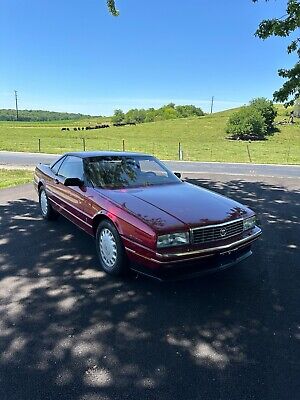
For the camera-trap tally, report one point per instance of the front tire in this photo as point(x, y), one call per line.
point(47, 210)
point(110, 249)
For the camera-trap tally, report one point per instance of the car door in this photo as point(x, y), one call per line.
point(51, 185)
point(72, 198)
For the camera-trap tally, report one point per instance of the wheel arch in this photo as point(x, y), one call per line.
point(40, 185)
point(104, 216)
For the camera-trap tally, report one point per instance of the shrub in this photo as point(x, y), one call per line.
point(267, 110)
point(247, 123)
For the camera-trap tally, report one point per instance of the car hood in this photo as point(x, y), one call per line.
point(178, 205)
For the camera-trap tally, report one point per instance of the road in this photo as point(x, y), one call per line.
point(288, 171)
point(69, 332)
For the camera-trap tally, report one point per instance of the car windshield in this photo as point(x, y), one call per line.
point(125, 172)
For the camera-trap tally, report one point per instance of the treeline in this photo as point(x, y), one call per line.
point(38, 115)
point(169, 111)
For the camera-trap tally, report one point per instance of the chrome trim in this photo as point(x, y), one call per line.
point(166, 262)
point(211, 249)
point(140, 255)
point(69, 212)
point(63, 201)
point(218, 225)
point(221, 238)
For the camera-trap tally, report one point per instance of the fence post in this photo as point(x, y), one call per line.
point(288, 155)
point(83, 142)
point(180, 152)
point(248, 150)
point(123, 142)
point(39, 145)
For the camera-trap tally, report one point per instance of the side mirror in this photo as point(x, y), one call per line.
point(73, 182)
point(178, 174)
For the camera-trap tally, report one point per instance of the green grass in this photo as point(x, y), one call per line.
point(11, 177)
point(202, 139)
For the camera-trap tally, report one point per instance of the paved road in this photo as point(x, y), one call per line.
point(31, 159)
point(69, 332)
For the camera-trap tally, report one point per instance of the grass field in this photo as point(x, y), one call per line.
point(202, 139)
point(10, 177)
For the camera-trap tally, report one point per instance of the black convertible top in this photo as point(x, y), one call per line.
point(90, 154)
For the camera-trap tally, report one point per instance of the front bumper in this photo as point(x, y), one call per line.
point(189, 270)
point(194, 262)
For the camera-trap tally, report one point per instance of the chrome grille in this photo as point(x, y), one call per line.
point(213, 233)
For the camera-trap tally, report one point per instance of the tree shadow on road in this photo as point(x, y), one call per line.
point(68, 331)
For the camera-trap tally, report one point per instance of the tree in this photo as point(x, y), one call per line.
point(246, 123)
point(118, 117)
point(284, 27)
point(266, 108)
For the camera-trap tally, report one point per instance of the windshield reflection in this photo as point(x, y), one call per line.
point(126, 172)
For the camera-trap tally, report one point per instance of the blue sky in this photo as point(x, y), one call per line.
point(72, 55)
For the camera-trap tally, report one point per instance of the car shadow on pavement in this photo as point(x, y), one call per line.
point(68, 331)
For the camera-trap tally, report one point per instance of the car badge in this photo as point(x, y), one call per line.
point(223, 232)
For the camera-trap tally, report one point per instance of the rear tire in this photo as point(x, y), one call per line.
point(110, 249)
point(47, 211)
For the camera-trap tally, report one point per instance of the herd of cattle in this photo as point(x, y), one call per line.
point(102, 126)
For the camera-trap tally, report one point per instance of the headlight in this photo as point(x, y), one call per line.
point(173, 239)
point(249, 223)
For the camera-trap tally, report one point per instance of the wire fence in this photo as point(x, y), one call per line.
point(232, 151)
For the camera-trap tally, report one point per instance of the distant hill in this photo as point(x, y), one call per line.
point(39, 115)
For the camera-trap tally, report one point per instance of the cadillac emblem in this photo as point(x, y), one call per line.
point(223, 232)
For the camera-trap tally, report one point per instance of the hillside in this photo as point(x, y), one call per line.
point(202, 139)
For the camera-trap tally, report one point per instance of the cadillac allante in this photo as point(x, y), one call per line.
point(143, 216)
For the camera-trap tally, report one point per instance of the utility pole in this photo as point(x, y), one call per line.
point(212, 104)
point(16, 97)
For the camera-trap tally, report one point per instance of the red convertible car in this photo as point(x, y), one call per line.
point(143, 216)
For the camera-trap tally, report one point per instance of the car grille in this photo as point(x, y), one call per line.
point(217, 232)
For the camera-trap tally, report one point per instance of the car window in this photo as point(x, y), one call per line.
point(57, 165)
point(149, 165)
point(72, 167)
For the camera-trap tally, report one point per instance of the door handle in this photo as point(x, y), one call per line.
point(56, 181)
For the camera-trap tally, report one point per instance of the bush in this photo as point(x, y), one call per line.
point(267, 110)
point(247, 123)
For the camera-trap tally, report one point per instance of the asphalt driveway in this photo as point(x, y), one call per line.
point(67, 331)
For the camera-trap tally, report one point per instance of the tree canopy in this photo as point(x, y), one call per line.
point(112, 7)
point(169, 111)
point(284, 27)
